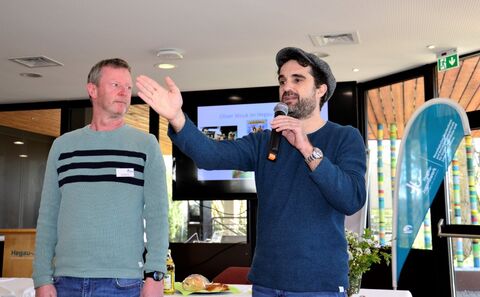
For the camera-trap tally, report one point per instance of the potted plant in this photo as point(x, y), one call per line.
point(363, 251)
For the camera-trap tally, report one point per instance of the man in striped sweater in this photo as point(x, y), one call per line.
point(101, 183)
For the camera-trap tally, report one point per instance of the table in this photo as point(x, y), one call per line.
point(16, 287)
point(23, 287)
point(382, 293)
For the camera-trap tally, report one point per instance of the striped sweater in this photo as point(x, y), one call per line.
point(99, 186)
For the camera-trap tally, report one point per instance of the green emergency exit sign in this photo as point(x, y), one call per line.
point(447, 61)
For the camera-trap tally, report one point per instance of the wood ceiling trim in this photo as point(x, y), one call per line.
point(376, 103)
point(468, 97)
point(387, 106)
point(440, 79)
point(462, 82)
point(448, 84)
point(41, 121)
point(397, 92)
point(476, 99)
point(372, 120)
point(375, 111)
point(409, 98)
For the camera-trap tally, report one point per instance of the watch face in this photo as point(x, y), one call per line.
point(156, 275)
point(317, 153)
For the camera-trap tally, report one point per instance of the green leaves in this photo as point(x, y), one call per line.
point(363, 251)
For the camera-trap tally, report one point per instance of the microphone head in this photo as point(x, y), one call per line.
point(281, 108)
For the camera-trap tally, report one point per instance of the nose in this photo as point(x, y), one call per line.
point(286, 86)
point(124, 90)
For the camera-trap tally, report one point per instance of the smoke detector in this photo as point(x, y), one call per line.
point(35, 62)
point(170, 54)
point(334, 39)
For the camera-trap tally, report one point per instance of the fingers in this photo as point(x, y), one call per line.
point(144, 97)
point(172, 87)
point(282, 120)
point(145, 80)
point(146, 85)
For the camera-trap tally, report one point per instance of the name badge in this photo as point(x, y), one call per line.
point(125, 172)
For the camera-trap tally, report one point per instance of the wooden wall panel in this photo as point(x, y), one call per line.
point(42, 121)
point(18, 252)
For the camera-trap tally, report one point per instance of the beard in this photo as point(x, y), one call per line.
point(304, 107)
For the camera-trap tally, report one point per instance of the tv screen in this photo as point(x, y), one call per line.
point(221, 122)
point(230, 114)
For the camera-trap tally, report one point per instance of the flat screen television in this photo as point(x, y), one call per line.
point(223, 114)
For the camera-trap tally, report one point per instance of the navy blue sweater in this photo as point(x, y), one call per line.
point(301, 242)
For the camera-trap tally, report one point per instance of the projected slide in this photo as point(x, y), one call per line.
point(224, 122)
point(228, 122)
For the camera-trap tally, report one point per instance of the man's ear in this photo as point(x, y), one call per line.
point(92, 90)
point(321, 90)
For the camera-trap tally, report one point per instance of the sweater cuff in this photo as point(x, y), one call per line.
point(42, 280)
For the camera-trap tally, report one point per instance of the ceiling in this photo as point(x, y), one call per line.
point(225, 44)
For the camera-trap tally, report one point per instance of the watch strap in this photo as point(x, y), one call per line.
point(317, 154)
point(155, 275)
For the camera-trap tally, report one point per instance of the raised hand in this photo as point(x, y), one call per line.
point(166, 102)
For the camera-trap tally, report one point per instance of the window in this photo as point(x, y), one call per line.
point(25, 140)
point(463, 86)
point(207, 221)
point(389, 109)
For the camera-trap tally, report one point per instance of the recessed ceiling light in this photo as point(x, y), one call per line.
point(18, 142)
point(431, 46)
point(165, 66)
point(235, 98)
point(23, 156)
point(30, 74)
point(355, 70)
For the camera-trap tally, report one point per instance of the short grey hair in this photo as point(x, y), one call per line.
point(95, 72)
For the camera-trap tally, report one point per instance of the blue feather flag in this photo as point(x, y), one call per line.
point(430, 140)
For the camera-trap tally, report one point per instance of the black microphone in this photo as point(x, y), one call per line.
point(280, 109)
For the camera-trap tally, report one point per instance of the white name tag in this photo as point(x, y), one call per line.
point(125, 172)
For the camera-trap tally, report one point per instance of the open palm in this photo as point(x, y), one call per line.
point(166, 102)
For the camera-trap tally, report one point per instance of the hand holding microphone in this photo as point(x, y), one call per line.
point(280, 109)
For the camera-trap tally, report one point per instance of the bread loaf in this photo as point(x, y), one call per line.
point(195, 282)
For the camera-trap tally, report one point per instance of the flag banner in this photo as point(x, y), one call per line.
point(430, 140)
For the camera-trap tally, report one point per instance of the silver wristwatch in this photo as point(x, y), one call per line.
point(317, 154)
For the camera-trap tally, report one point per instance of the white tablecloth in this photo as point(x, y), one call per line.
point(23, 287)
point(16, 287)
point(382, 293)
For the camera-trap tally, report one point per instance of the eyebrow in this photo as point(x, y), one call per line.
point(293, 75)
point(117, 82)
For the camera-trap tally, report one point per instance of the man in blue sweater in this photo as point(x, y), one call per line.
point(101, 182)
point(303, 197)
